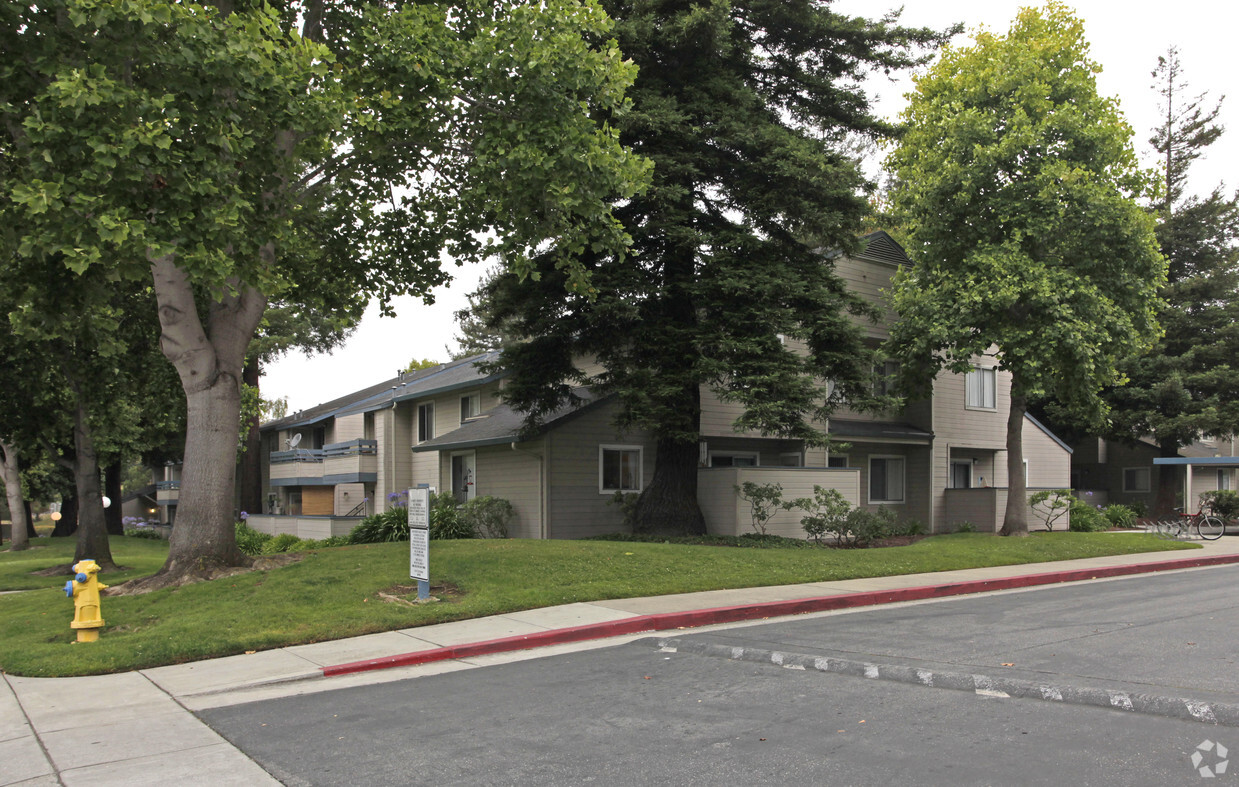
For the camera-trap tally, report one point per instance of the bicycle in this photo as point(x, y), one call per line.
point(1207, 526)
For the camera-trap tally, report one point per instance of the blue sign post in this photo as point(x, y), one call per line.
point(419, 540)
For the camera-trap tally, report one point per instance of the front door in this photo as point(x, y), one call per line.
point(463, 486)
point(961, 475)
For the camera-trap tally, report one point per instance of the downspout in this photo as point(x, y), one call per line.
point(541, 488)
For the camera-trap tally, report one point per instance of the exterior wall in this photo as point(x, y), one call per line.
point(727, 514)
point(348, 427)
point(315, 527)
point(346, 497)
point(718, 417)
point(385, 455)
point(575, 507)
point(868, 278)
point(516, 476)
point(318, 501)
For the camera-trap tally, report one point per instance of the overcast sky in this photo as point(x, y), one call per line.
point(1126, 39)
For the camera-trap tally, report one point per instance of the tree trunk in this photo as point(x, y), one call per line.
point(250, 470)
point(668, 506)
point(1015, 521)
point(67, 525)
point(92, 534)
point(30, 531)
point(1167, 497)
point(113, 515)
point(13, 493)
point(209, 362)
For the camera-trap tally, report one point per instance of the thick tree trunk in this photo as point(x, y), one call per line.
point(250, 470)
point(13, 493)
point(30, 531)
point(1015, 520)
point(209, 362)
point(113, 515)
point(67, 525)
point(92, 534)
point(668, 506)
point(1167, 497)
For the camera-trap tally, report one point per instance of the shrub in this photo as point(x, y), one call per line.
point(445, 519)
point(1224, 503)
point(825, 512)
point(1138, 508)
point(763, 500)
point(487, 516)
point(1119, 515)
point(284, 542)
point(911, 527)
point(863, 527)
point(965, 527)
point(1086, 519)
point(390, 525)
point(1050, 505)
point(144, 533)
point(627, 503)
point(250, 541)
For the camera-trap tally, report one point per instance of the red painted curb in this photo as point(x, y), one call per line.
point(703, 617)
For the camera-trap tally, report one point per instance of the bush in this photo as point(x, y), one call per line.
point(445, 519)
point(284, 542)
point(1086, 519)
point(1050, 505)
point(825, 513)
point(390, 525)
point(627, 502)
point(1119, 515)
point(144, 533)
point(250, 541)
point(863, 527)
point(1138, 508)
point(1223, 503)
point(763, 500)
point(487, 516)
point(911, 527)
point(965, 527)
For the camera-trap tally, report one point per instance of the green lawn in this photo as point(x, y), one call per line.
point(333, 593)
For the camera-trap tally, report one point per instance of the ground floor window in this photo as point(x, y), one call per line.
point(1136, 479)
point(791, 460)
point(886, 479)
point(619, 468)
point(734, 459)
point(839, 461)
point(1223, 480)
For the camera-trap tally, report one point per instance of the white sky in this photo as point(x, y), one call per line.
point(1126, 39)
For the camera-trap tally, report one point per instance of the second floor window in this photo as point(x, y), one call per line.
point(884, 376)
point(470, 406)
point(981, 385)
point(425, 422)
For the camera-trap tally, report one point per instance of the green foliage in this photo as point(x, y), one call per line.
point(389, 525)
point(825, 513)
point(249, 540)
point(1087, 519)
point(911, 527)
point(487, 516)
point(1119, 515)
point(764, 500)
point(154, 535)
point(627, 502)
point(284, 542)
point(1015, 189)
point(417, 365)
point(862, 527)
point(1223, 502)
point(446, 521)
point(965, 527)
point(1050, 505)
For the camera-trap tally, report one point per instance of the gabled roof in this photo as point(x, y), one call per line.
point(881, 247)
point(1048, 433)
point(502, 425)
point(411, 385)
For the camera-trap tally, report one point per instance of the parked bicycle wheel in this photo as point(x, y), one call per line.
point(1210, 528)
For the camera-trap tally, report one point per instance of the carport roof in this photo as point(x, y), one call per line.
point(879, 430)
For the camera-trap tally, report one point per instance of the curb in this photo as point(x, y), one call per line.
point(664, 621)
point(1217, 713)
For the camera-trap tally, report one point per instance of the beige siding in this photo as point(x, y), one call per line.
point(1049, 464)
point(575, 506)
point(726, 513)
point(516, 476)
point(957, 424)
point(425, 469)
point(719, 417)
point(347, 497)
point(868, 279)
point(349, 427)
point(917, 478)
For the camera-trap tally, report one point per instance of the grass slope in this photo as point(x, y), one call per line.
point(333, 593)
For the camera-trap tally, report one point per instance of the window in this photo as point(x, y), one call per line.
point(1223, 480)
point(470, 406)
point(961, 475)
point(791, 460)
point(981, 387)
point(734, 459)
point(840, 461)
point(619, 468)
point(425, 422)
point(463, 477)
point(1136, 479)
point(884, 375)
point(886, 479)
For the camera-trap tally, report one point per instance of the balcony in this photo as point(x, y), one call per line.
point(167, 492)
point(297, 467)
point(350, 462)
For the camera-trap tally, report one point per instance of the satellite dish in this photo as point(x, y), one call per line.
point(295, 440)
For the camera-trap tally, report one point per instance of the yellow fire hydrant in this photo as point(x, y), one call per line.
point(84, 590)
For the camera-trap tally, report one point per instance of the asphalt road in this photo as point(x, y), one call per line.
point(640, 714)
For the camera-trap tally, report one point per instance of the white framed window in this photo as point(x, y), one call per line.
point(734, 459)
point(470, 406)
point(961, 474)
point(1136, 479)
point(982, 386)
point(884, 375)
point(886, 479)
point(838, 461)
point(619, 468)
point(791, 459)
point(1223, 480)
point(425, 422)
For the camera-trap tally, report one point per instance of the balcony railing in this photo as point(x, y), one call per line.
point(351, 448)
point(297, 455)
point(167, 485)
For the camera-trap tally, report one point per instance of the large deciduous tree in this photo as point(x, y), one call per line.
point(240, 152)
point(746, 108)
point(1185, 386)
point(1015, 189)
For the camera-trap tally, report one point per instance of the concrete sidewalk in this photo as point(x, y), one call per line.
point(138, 728)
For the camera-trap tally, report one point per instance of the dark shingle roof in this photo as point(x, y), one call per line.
point(502, 424)
point(883, 248)
point(878, 429)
